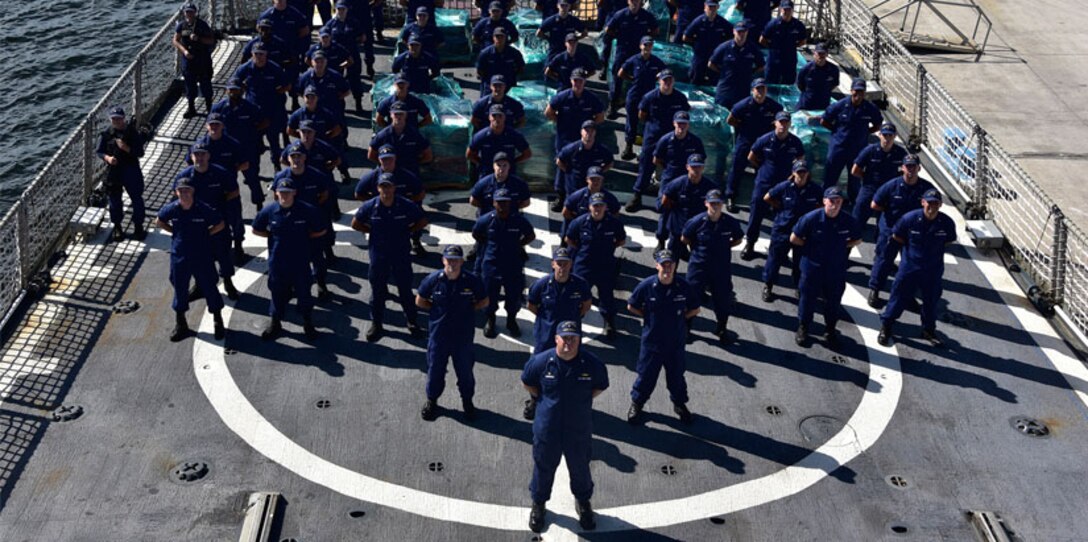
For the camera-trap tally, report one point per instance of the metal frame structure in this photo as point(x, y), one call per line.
point(911, 37)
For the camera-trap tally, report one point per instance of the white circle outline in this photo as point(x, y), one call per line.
point(872, 416)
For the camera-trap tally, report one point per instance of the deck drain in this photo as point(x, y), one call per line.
point(897, 481)
point(839, 360)
point(773, 410)
point(717, 520)
point(126, 307)
point(357, 514)
point(1031, 427)
point(67, 413)
point(899, 529)
point(668, 470)
point(190, 471)
point(322, 404)
point(536, 538)
point(435, 466)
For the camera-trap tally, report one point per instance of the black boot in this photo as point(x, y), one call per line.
point(489, 327)
point(370, 70)
point(417, 247)
point(832, 338)
point(536, 517)
point(195, 293)
point(138, 232)
point(359, 105)
point(610, 327)
point(471, 412)
point(414, 330)
point(529, 412)
point(228, 286)
point(239, 254)
point(730, 206)
point(885, 337)
point(323, 294)
point(628, 152)
point(749, 251)
point(635, 204)
point(801, 337)
point(557, 205)
point(220, 329)
point(429, 412)
point(768, 292)
point(308, 327)
point(207, 106)
point(634, 414)
point(374, 332)
point(512, 327)
point(118, 233)
point(273, 330)
point(874, 298)
point(181, 327)
point(190, 112)
point(586, 518)
point(683, 413)
point(931, 336)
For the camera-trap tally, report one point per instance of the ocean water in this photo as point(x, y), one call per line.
point(59, 58)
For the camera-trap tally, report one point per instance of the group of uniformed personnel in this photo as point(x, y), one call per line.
point(695, 222)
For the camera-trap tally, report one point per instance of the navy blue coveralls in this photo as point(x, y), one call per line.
point(578, 203)
point(755, 119)
point(451, 329)
point(710, 266)
point(627, 29)
point(189, 255)
point(414, 108)
point(661, 108)
point(571, 111)
point(126, 174)
point(556, 302)
point(389, 248)
point(782, 53)
point(346, 33)
point(849, 134)
point(879, 167)
point(823, 263)
point(514, 109)
point(556, 27)
point(578, 159)
point(508, 63)
point(502, 263)
point(430, 37)
point(674, 152)
point(595, 255)
point(310, 185)
point(793, 203)
point(644, 71)
point(288, 253)
point(484, 191)
point(688, 200)
point(419, 70)
point(921, 266)
point(664, 331)
point(408, 145)
point(240, 121)
point(897, 198)
point(227, 153)
point(776, 160)
point(564, 65)
point(707, 35)
point(686, 12)
point(485, 28)
point(211, 187)
point(260, 84)
point(737, 66)
point(197, 70)
point(563, 426)
point(488, 143)
point(329, 89)
point(815, 84)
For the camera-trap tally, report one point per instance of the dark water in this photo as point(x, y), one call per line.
point(59, 58)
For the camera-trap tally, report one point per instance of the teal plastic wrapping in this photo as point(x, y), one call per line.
point(806, 126)
point(449, 136)
point(708, 121)
point(677, 58)
point(533, 49)
point(660, 11)
point(786, 95)
point(455, 29)
point(539, 171)
point(443, 86)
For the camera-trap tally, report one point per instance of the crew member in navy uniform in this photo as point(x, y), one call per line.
point(194, 40)
point(418, 65)
point(217, 187)
point(499, 58)
point(291, 226)
point(757, 13)
point(389, 220)
point(191, 224)
point(733, 65)
point(673, 149)
point(704, 34)
point(682, 199)
point(790, 200)
point(773, 155)
point(782, 37)
point(816, 80)
point(577, 202)
point(486, 26)
point(594, 238)
point(244, 121)
point(407, 185)
point(265, 85)
point(564, 380)
point(641, 70)
point(430, 37)
point(850, 120)
point(710, 237)
point(419, 115)
point(627, 26)
point(665, 302)
point(497, 138)
point(686, 13)
point(121, 146)
point(451, 295)
point(314, 187)
point(411, 146)
point(656, 110)
point(483, 192)
point(923, 233)
point(750, 118)
point(559, 66)
point(893, 199)
point(559, 28)
point(225, 151)
point(345, 31)
point(875, 165)
point(825, 236)
point(570, 109)
point(502, 235)
point(515, 111)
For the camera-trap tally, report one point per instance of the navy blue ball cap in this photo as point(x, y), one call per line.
point(595, 172)
point(264, 23)
point(911, 160)
point(500, 31)
point(682, 117)
point(712, 3)
point(563, 2)
point(307, 124)
point(386, 178)
point(498, 79)
point(696, 159)
point(401, 77)
point(645, 40)
point(343, 4)
point(888, 129)
point(800, 165)
point(714, 196)
point(561, 254)
point(496, 109)
point(932, 195)
point(501, 194)
point(259, 48)
point(285, 185)
point(833, 192)
point(759, 82)
point(295, 148)
point(189, 6)
point(571, 36)
point(663, 256)
point(387, 151)
point(742, 25)
point(414, 39)
point(500, 157)
point(324, 32)
point(184, 183)
point(310, 91)
point(494, 6)
point(783, 115)
point(578, 73)
point(198, 148)
point(588, 124)
point(319, 54)
point(117, 112)
point(786, 4)
point(234, 84)
point(568, 328)
point(214, 118)
point(398, 107)
point(597, 198)
point(858, 84)
point(664, 74)
point(821, 47)
point(422, 11)
point(453, 252)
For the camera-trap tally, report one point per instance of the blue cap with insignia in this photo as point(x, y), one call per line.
point(453, 252)
point(833, 192)
point(568, 328)
point(932, 195)
point(501, 194)
point(664, 256)
point(561, 254)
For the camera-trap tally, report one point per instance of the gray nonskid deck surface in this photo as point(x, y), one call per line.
point(106, 474)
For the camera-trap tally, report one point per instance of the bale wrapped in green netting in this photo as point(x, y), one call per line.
point(449, 136)
point(708, 121)
point(457, 34)
point(443, 86)
point(525, 19)
point(806, 126)
point(539, 171)
point(676, 57)
point(533, 49)
point(660, 10)
point(786, 95)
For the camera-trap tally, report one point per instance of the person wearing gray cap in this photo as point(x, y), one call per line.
point(850, 120)
point(565, 379)
point(594, 238)
point(924, 235)
point(816, 80)
point(790, 200)
point(560, 66)
point(825, 236)
point(710, 237)
point(121, 146)
point(876, 163)
point(773, 155)
point(389, 221)
point(673, 149)
point(666, 303)
point(570, 109)
point(191, 224)
point(502, 235)
point(499, 58)
point(640, 71)
point(893, 199)
point(750, 118)
point(419, 115)
point(484, 29)
point(704, 34)
point(560, 27)
point(514, 110)
point(733, 64)
point(194, 41)
point(782, 37)
point(451, 296)
point(430, 37)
